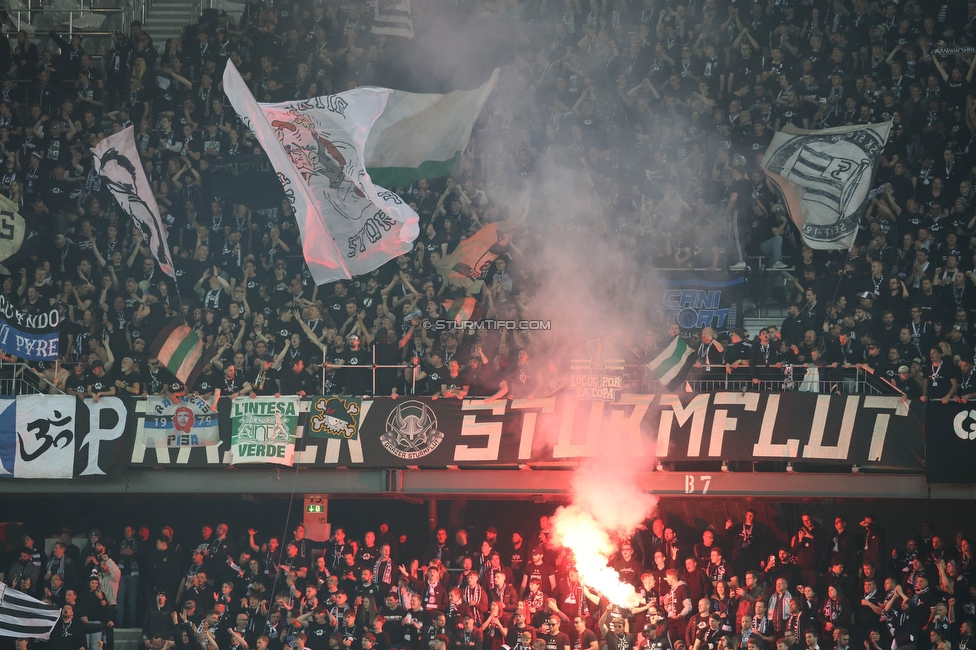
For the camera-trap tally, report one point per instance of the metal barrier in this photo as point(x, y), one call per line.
point(856, 380)
point(18, 378)
point(373, 367)
point(21, 17)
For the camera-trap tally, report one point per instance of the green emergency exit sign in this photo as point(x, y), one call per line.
point(314, 507)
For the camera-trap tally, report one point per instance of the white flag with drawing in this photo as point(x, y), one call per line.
point(117, 161)
point(349, 225)
point(824, 178)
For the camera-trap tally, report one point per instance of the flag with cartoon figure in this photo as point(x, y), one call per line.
point(335, 416)
point(349, 225)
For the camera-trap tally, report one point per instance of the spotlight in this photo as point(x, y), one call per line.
point(789, 467)
point(725, 466)
point(660, 466)
point(855, 469)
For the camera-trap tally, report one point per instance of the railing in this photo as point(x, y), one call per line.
point(854, 379)
point(18, 378)
point(373, 367)
point(74, 16)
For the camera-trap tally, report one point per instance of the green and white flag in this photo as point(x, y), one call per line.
point(422, 135)
point(672, 364)
point(263, 430)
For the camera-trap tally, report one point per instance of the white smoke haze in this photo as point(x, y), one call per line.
point(586, 286)
point(607, 508)
point(581, 279)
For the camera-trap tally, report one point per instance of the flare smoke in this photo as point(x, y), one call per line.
point(607, 508)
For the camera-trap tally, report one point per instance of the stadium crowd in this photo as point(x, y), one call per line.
point(831, 586)
point(663, 108)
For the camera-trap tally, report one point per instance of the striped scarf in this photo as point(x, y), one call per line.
point(581, 608)
point(56, 565)
point(383, 571)
point(831, 609)
point(469, 594)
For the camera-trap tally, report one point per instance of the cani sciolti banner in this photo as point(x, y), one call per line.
point(694, 300)
point(869, 431)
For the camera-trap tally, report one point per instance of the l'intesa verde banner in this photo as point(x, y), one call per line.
point(263, 430)
point(869, 431)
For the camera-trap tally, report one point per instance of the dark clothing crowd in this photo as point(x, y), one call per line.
point(657, 112)
point(742, 586)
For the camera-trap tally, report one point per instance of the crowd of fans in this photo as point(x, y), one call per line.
point(661, 109)
point(832, 586)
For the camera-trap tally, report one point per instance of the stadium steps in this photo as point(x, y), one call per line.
point(128, 638)
point(166, 19)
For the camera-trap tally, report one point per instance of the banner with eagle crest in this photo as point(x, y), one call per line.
point(349, 225)
point(117, 161)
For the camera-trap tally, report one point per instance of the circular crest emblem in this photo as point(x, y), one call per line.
point(411, 431)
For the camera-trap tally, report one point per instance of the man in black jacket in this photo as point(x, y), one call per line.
point(158, 619)
point(164, 570)
point(795, 325)
point(69, 633)
point(840, 543)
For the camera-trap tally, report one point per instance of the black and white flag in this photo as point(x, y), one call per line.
point(24, 617)
point(117, 161)
point(824, 178)
point(393, 18)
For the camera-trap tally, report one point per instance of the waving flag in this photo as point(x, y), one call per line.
point(117, 161)
point(182, 351)
point(349, 225)
point(13, 231)
point(24, 617)
point(393, 18)
point(672, 364)
point(423, 135)
point(824, 178)
point(468, 265)
point(463, 309)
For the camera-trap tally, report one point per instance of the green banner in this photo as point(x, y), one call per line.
point(263, 430)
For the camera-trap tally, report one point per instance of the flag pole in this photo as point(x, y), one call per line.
point(588, 179)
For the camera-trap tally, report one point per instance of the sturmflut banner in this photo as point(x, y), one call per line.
point(865, 430)
point(824, 178)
